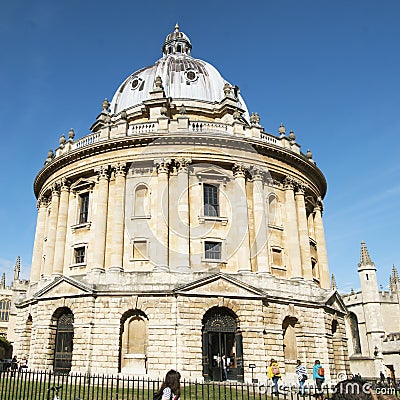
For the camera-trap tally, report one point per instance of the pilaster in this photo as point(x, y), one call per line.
point(61, 228)
point(100, 219)
point(38, 247)
point(292, 230)
point(162, 261)
point(304, 239)
point(241, 219)
point(260, 223)
point(321, 248)
point(118, 203)
point(52, 230)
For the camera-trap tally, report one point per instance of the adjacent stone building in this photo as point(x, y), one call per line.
point(373, 322)
point(178, 231)
point(9, 295)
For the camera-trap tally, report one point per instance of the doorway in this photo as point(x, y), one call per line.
point(222, 346)
point(63, 343)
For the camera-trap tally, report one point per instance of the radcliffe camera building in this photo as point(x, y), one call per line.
point(176, 232)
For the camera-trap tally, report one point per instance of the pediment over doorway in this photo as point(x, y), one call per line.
point(63, 287)
point(221, 285)
point(335, 301)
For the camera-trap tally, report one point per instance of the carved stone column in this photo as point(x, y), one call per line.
point(51, 231)
point(38, 246)
point(118, 204)
point(241, 220)
point(162, 261)
point(321, 248)
point(100, 220)
point(61, 229)
point(292, 230)
point(260, 223)
point(179, 221)
point(304, 239)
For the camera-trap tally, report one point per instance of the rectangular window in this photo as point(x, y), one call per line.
point(140, 250)
point(80, 255)
point(4, 310)
point(277, 257)
point(211, 206)
point(83, 207)
point(212, 250)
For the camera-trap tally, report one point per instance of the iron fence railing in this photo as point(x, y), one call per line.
point(40, 385)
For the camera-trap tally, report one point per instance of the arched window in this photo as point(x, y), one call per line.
point(355, 334)
point(133, 342)
point(179, 48)
point(141, 201)
point(290, 341)
point(5, 306)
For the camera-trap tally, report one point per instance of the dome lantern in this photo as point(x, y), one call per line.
point(176, 42)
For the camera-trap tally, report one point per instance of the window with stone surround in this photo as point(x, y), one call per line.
point(83, 208)
point(212, 250)
point(141, 202)
point(277, 256)
point(5, 306)
point(140, 249)
point(80, 255)
point(210, 200)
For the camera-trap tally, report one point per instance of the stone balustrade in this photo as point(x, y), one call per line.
point(138, 129)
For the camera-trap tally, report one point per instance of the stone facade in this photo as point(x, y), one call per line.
point(9, 295)
point(372, 324)
point(177, 231)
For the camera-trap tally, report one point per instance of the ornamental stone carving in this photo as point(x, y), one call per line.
point(162, 165)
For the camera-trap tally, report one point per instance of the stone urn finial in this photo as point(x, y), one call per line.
point(158, 82)
point(105, 105)
point(254, 119)
point(236, 115)
point(71, 134)
point(182, 110)
point(282, 130)
point(62, 140)
point(227, 89)
point(163, 110)
point(309, 154)
point(292, 136)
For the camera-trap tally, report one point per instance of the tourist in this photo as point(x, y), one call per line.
point(302, 376)
point(274, 374)
point(224, 368)
point(14, 365)
point(23, 364)
point(171, 387)
point(319, 377)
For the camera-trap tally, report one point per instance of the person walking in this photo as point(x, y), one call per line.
point(319, 377)
point(171, 387)
point(302, 376)
point(14, 365)
point(274, 374)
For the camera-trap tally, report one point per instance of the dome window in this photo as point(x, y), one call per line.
point(191, 75)
point(136, 81)
point(179, 48)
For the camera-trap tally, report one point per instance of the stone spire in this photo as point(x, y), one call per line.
point(394, 281)
point(3, 281)
point(395, 273)
point(333, 283)
point(365, 259)
point(17, 269)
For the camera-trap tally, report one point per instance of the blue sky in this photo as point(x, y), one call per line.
point(329, 70)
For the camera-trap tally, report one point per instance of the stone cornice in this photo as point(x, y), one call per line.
point(296, 161)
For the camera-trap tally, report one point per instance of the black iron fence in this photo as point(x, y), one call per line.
point(38, 385)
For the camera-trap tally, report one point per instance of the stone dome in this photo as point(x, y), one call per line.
point(183, 78)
